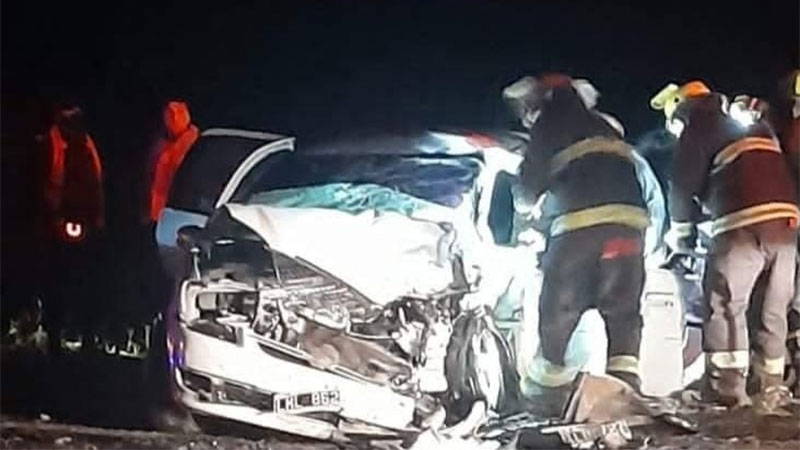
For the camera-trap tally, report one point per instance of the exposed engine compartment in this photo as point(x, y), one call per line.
point(417, 354)
point(293, 303)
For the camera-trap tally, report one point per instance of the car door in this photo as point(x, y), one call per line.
point(208, 176)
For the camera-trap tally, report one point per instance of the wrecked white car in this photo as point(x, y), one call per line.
point(341, 290)
point(353, 288)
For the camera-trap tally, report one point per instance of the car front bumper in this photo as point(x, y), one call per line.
point(241, 381)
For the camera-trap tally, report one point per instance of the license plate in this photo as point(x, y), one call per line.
point(320, 399)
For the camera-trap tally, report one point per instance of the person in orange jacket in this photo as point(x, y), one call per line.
point(73, 220)
point(73, 185)
point(180, 136)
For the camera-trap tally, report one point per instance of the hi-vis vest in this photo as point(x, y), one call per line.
point(56, 173)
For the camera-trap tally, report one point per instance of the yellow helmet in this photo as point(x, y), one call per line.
point(672, 95)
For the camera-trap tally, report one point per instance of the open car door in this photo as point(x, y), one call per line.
point(209, 174)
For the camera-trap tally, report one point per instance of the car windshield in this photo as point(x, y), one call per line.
point(359, 182)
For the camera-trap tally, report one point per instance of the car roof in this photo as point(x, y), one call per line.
point(261, 136)
point(422, 143)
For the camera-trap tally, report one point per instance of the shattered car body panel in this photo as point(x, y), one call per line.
point(238, 373)
point(359, 248)
point(342, 290)
point(323, 294)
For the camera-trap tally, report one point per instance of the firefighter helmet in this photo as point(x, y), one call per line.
point(668, 98)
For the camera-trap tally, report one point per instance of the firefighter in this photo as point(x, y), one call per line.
point(594, 251)
point(181, 134)
point(735, 171)
point(785, 118)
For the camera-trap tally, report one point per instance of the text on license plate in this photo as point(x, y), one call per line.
point(306, 400)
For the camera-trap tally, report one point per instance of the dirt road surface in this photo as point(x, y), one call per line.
point(97, 402)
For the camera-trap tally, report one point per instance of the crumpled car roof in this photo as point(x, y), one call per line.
point(418, 143)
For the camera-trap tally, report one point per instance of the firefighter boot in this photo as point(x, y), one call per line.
point(772, 395)
point(793, 372)
point(795, 381)
point(726, 387)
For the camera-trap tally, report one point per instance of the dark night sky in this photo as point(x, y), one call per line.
point(319, 68)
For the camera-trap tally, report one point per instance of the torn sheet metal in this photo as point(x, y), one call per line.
point(384, 256)
point(587, 435)
point(461, 435)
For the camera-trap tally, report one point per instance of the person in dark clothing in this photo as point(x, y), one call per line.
point(595, 242)
point(784, 115)
point(737, 172)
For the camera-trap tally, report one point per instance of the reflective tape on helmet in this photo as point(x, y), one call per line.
point(729, 154)
point(623, 363)
point(585, 147)
point(755, 214)
point(615, 213)
point(735, 359)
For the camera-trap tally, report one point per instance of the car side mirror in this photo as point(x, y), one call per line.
point(189, 237)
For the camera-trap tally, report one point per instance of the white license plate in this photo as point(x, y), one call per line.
point(319, 399)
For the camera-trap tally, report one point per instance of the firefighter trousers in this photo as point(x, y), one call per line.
point(597, 267)
point(793, 340)
point(750, 268)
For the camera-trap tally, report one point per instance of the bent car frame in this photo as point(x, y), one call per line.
point(351, 289)
point(324, 288)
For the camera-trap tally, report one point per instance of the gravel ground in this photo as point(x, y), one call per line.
point(719, 430)
point(105, 396)
point(39, 435)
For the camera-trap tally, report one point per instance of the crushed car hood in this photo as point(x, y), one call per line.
point(384, 255)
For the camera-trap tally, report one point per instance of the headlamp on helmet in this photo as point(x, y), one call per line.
point(746, 110)
point(671, 96)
